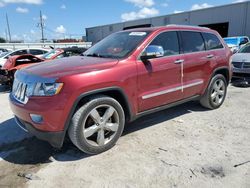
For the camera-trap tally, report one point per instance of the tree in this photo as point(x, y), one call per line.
point(2, 40)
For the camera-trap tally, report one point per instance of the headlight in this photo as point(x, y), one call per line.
point(44, 89)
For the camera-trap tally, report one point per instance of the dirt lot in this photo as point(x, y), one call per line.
point(185, 146)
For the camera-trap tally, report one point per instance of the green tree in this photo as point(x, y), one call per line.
point(2, 40)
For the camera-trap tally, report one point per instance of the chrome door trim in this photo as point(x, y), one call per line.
point(171, 90)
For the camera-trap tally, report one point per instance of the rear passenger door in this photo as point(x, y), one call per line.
point(196, 66)
point(215, 50)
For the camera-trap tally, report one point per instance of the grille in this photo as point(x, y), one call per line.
point(246, 65)
point(237, 64)
point(19, 91)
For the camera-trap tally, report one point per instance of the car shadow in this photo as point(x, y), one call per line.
point(19, 147)
point(161, 116)
point(241, 84)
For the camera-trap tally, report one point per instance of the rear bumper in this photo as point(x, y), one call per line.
point(54, 138)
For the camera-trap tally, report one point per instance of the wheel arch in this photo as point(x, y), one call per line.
point(224, 71)
point(114, 92)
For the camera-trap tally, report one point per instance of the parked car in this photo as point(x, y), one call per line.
point(63, 52)
point(241, 65)
point(3, 50)
point(125, 76)
point(36, 52)
point(17, 62)
point(235, 43)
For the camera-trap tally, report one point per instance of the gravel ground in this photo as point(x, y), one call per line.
point(185, 146)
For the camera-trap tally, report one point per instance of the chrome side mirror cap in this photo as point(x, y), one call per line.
point(152, 51)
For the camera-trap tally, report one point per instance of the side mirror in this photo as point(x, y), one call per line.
point(152, 51)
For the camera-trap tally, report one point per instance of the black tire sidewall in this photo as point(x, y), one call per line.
point(215, 79)
point(81, 141)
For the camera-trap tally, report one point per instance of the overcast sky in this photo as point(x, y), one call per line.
point(65, 18)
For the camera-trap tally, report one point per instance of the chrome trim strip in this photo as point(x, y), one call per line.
point(171, 90)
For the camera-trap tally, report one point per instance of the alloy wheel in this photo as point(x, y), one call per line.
point(101, 125)
point(218, 92)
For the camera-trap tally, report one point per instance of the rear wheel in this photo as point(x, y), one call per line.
point(97, 125)
point(215, 93)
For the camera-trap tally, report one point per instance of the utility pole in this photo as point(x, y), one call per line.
point(42, 26)
point(6, 35)
point(8, 26)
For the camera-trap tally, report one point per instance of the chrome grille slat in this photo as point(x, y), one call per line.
point(19, 92)
point(246, 65)
point(237, 64)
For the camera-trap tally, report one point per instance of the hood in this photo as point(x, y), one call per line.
point(241, 57)
point(70, 65)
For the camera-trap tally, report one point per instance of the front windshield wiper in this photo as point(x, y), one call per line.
point(99, 55)
point(93, 55)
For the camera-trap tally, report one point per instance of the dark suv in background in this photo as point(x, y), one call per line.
point(124, 76)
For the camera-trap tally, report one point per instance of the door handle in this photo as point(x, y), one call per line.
point(179, 61)
point(210, 56)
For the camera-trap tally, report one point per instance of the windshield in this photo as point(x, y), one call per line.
point(117, 45)
point(245, 49)
point(232, 41)
point(50, 54)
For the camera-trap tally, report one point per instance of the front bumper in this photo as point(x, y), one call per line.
point(52, 128)
point(54, 138)
point(241, 73)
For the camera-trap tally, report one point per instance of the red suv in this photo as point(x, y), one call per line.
point(124, 76)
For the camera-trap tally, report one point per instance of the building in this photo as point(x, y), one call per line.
point(228, 20)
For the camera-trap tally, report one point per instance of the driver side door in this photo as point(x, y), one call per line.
point(159, 79)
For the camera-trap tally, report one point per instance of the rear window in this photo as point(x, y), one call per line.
point(192, 42)
point(212, 41)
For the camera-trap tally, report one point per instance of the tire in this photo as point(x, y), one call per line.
point(97, 125)
point(216, 92)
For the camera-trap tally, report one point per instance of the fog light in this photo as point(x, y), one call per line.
point(36, 118)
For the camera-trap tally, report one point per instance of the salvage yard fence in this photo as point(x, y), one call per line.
point(15, 46)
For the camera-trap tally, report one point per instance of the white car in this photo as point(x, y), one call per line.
point(35, 51)
point(235, 43)
point(241, 64)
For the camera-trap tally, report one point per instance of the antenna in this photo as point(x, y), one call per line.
point(8, 27)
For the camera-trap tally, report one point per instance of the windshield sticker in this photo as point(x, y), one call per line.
point(137, 33)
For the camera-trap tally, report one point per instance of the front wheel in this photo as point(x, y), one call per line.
point(215, 93)
point(97, 125)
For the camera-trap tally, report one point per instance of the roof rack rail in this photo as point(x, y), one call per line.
point(188, 26)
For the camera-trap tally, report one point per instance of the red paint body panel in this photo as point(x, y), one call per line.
point(136, 79)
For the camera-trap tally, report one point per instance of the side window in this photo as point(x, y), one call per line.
point(168, 41)
point(19, 52)
point(192, 41)
point(212, 41)
point(37, 52)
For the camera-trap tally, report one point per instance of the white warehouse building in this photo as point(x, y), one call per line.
point(228, 20)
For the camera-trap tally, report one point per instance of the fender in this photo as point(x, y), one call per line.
point(98, 91)
point(214, 72)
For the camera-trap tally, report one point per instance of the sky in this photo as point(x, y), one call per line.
point(69, 18)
